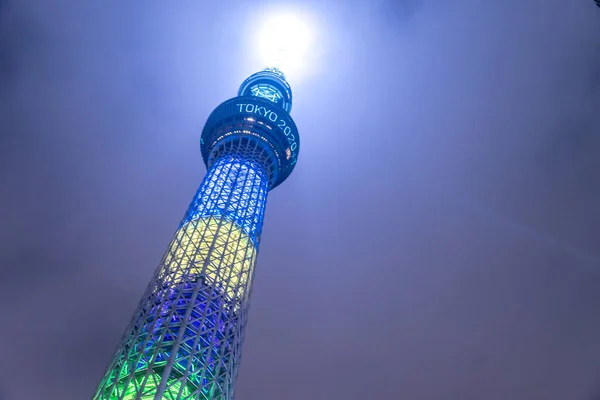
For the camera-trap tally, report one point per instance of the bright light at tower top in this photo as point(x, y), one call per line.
point(285, 40)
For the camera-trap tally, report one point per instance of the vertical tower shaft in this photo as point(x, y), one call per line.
point(184, 340)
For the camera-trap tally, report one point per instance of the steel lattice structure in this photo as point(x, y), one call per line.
point(184, 340)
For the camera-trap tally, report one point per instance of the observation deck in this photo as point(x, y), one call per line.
point(255, 125)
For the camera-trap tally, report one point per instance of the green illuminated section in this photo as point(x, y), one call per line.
point(171, 393)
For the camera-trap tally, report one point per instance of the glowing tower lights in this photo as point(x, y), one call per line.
point(184, 340)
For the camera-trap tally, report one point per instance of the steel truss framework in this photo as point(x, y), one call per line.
point(184, 341)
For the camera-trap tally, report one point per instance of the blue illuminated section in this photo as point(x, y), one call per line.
point(234, 189)
point(205, 337)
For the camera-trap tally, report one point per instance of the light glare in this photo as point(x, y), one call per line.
point(284, 42)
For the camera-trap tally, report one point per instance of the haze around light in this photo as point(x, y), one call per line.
point(285, 40)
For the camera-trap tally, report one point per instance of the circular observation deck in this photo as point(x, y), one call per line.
point(256, 129)
point(270, 83)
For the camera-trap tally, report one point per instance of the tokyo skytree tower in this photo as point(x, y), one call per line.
point(185, 338)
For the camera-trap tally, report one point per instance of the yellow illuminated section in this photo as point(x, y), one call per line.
point(214, 248)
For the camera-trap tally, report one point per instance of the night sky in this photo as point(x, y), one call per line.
point(439, 238)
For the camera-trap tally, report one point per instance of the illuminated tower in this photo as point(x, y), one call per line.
point(184, 340)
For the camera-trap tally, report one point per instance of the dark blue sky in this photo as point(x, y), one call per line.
point(439, 238)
